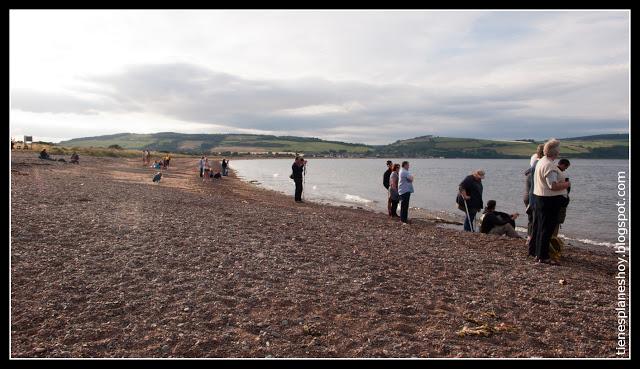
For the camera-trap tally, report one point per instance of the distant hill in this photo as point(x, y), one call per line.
point(219, 143)
point(613, 146)
point(601, 146)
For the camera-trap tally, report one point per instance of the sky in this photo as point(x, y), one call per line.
point(371, 77)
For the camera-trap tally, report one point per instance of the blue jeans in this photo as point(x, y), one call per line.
point(469, 220)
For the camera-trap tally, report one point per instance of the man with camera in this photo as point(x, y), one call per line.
point(297, 176)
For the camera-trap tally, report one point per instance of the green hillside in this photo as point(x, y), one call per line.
point(218, 143)
point(601, 146)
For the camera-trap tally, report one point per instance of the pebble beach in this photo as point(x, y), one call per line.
point(106, 263)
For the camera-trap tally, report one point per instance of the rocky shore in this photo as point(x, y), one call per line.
point(105, 263)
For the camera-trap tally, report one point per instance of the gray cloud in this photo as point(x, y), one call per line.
point(192, 93)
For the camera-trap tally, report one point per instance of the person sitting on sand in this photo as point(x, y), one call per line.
point(75, 158)
point(497, 222)
point(44, 155)
point(157, 177)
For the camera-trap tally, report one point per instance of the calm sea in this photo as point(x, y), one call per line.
point(591, 216)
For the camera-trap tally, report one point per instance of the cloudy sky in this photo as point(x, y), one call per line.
point(370, 77)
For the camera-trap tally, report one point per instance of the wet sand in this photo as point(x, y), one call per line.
point(105, 263)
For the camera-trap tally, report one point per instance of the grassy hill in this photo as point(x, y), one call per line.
point(601, 146)
point(219, 143)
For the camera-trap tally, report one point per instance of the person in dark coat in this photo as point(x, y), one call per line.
point(497, 222)
point(297, 176)
point(471, 190)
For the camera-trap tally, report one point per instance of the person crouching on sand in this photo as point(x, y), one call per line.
point(405, 189)
point(497, 222)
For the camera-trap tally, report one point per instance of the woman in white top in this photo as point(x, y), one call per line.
point(537, 155)
point(548, 193)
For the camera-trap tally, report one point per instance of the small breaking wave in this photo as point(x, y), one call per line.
point(356, 198)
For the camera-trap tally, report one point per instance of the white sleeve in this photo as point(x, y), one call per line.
point(551, 178)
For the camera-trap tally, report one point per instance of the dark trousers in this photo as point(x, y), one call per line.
point(545, 223)
point(404, 206)
point(298, 194)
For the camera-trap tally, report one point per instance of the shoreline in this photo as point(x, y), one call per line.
point(105, 263)
point(447, 219)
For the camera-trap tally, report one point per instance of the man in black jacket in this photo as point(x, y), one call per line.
point(471, 190)
point(385, 183)
point(497, 222)
point(298, 169)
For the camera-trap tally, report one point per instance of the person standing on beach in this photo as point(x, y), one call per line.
point(385, 183)
point(206, 169)
point(529, 202)
point(405, 189)
point(549, 193)
point(394, 196)
point(471, 190)
point(201, 166)
point(224, 167)
point(537, 155)
point(297, 176)
point(556, 244)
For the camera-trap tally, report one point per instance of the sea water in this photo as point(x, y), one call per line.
point(591, 215)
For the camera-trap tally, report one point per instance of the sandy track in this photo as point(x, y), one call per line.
point(107, 264)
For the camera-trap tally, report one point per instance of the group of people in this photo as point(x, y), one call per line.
point(207, 172)
point(546, 199)
point(399, 184)
point(162, 163)
point(75, 158)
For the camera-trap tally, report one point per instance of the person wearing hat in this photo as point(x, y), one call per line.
point(385, 183)
point(497, 222)
point(471, 190)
